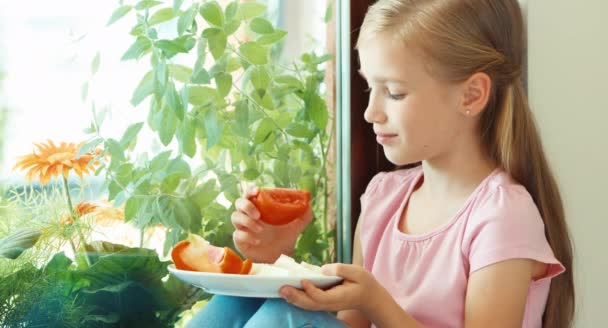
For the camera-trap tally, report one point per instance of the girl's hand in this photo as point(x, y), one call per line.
point(359, 290)
point(259, 241)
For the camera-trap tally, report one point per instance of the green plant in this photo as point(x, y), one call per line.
point(236, 115)
point(243, 116)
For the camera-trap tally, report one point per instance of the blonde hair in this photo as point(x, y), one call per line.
point(460, 38)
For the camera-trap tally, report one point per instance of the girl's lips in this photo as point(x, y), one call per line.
point(385, 138)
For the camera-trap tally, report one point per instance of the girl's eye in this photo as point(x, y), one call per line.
point(393, 96)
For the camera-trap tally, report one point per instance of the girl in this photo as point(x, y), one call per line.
point(473, 233)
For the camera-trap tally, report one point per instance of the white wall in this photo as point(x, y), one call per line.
point(568, 86)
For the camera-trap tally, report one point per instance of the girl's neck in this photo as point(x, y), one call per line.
point(455, 174)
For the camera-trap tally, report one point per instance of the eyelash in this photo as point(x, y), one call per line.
point(389, 95)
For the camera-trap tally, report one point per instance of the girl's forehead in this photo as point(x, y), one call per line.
point(384, 57)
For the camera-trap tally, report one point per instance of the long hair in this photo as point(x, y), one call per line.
point(459, 38)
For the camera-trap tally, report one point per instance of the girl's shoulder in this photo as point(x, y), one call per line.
point(387, 179)
point(501, 192)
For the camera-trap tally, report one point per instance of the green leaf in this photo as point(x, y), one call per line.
point(213, 130)
point(201, 95)
point(317, 111)
point(119, 13)
point(201, 76)
point(232, 26)
point(265, 128)
point(144, 89)
point(180, 45)
point(145, 4)
point(254, 53)
point(248, 10)
point(223, 81)
point(132, 207)
point(180, 72)
point(233, 64)
point(251, 174)
point(89, 146)
point(289, 80)
point(217, 41)
point(116, 152)
point(95, 63)
point(160, 77)
point(160, 161)
point(212, 13)
point(231, 10)
point(188, 214)
point(272, 38)
point(281, 173)
point(179, 166)
point(185, 20)
point(187, 137)
point(229, 186)
point(260, 78)
point(15, 244)
point(241, 113)
point(218, 67)
point(173, 100)
point(205, 193)
point(167, 123)
point(265, 101)
point(176, 5)
point(328, 12)
point(161, 16)
point(299, 130)
point(261, 26)
point(130, 134)
point(176, 171)
point(137, 49)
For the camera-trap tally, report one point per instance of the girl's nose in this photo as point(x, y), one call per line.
point(374, 112)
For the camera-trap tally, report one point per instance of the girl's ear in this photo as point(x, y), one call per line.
point(477, 90)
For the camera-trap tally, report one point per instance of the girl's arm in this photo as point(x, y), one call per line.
point(497, 294)
point(354, 318)
point(496, 297)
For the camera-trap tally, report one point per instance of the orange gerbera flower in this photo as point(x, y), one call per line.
point(51, 160)
point(81, 209)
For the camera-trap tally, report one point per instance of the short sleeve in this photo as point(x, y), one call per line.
point(372, 186)
point(507, 226)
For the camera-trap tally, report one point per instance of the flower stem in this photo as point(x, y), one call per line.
point(75, 217)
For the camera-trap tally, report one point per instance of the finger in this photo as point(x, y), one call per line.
point(346, 271)
point(316, 294)
point(302, 222)
point(298, 298)
point(251, 191)
point(242, 222)
point(247, 207)
point(244, 238)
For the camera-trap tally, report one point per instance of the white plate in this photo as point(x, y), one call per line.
point(248, 285)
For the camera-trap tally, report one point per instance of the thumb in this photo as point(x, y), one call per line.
point(346, 271)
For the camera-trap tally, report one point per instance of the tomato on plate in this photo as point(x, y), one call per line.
point(197, 254)
point(280, 206)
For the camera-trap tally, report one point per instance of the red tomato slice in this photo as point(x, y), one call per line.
point(280, 206)
point(196, 254)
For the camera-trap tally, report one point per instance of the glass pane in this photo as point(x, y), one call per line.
point(128, 126)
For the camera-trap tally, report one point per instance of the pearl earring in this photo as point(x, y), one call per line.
point(468, 112)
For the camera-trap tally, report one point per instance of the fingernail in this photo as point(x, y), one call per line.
point(325, 269)
point(284, 292)
point(257, 241)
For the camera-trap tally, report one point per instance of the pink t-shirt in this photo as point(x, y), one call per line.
point(428, 274)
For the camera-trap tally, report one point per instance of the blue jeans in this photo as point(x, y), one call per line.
point(243, 312)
